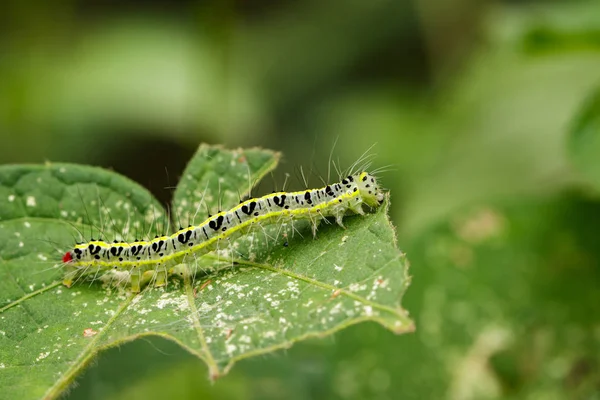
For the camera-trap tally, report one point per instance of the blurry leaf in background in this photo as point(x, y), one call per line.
point(498, 130)
point(157, 72)
point(584, 140)
point(564, 27)
point(514, 281)
point(137, 74)
point(312, 48)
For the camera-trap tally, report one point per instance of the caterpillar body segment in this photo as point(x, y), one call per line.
point(145, 261)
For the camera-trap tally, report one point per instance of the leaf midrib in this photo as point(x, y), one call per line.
point(209, 358)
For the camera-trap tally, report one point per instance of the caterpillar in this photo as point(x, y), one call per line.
point(143, 261)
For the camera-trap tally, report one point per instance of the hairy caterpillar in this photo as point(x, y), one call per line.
point(154, 259)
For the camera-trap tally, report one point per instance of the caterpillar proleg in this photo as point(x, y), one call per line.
point(154, 260)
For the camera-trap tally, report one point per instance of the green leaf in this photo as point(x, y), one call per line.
point(584, 140)
point(215, 178)
point(236, 304)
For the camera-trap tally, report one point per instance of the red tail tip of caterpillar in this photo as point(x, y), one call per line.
point(67, 257)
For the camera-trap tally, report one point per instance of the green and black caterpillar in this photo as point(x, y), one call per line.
point(153, 260)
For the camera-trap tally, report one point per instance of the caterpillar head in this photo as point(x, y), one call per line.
point(369, 190)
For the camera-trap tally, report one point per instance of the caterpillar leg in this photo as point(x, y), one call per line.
point(70, 274)
point(338, 218)
point(160, 277)
point(315, 226)
point(147, 277)
point(357, 209)
point(68, 281)
point(135, 281)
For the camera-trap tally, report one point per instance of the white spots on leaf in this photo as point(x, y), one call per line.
point(21, 244)
point(230, 349)
point(11, 198)
point(368, 310)
point(42, 356)
point(141, 322)
point(167, 299)
point(2, 366)
point(42, 257)
point(357, 287)
point(337, 268)
point(245, 339)
point(381, 283)
point(204, 308)
point(336, 309)
point(27, 224)
point(103, 301)
point(269, 334)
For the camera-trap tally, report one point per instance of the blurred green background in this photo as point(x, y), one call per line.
point(482, 109)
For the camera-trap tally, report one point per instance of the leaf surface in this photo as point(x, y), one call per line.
point(584, 140)
point(264, 291)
